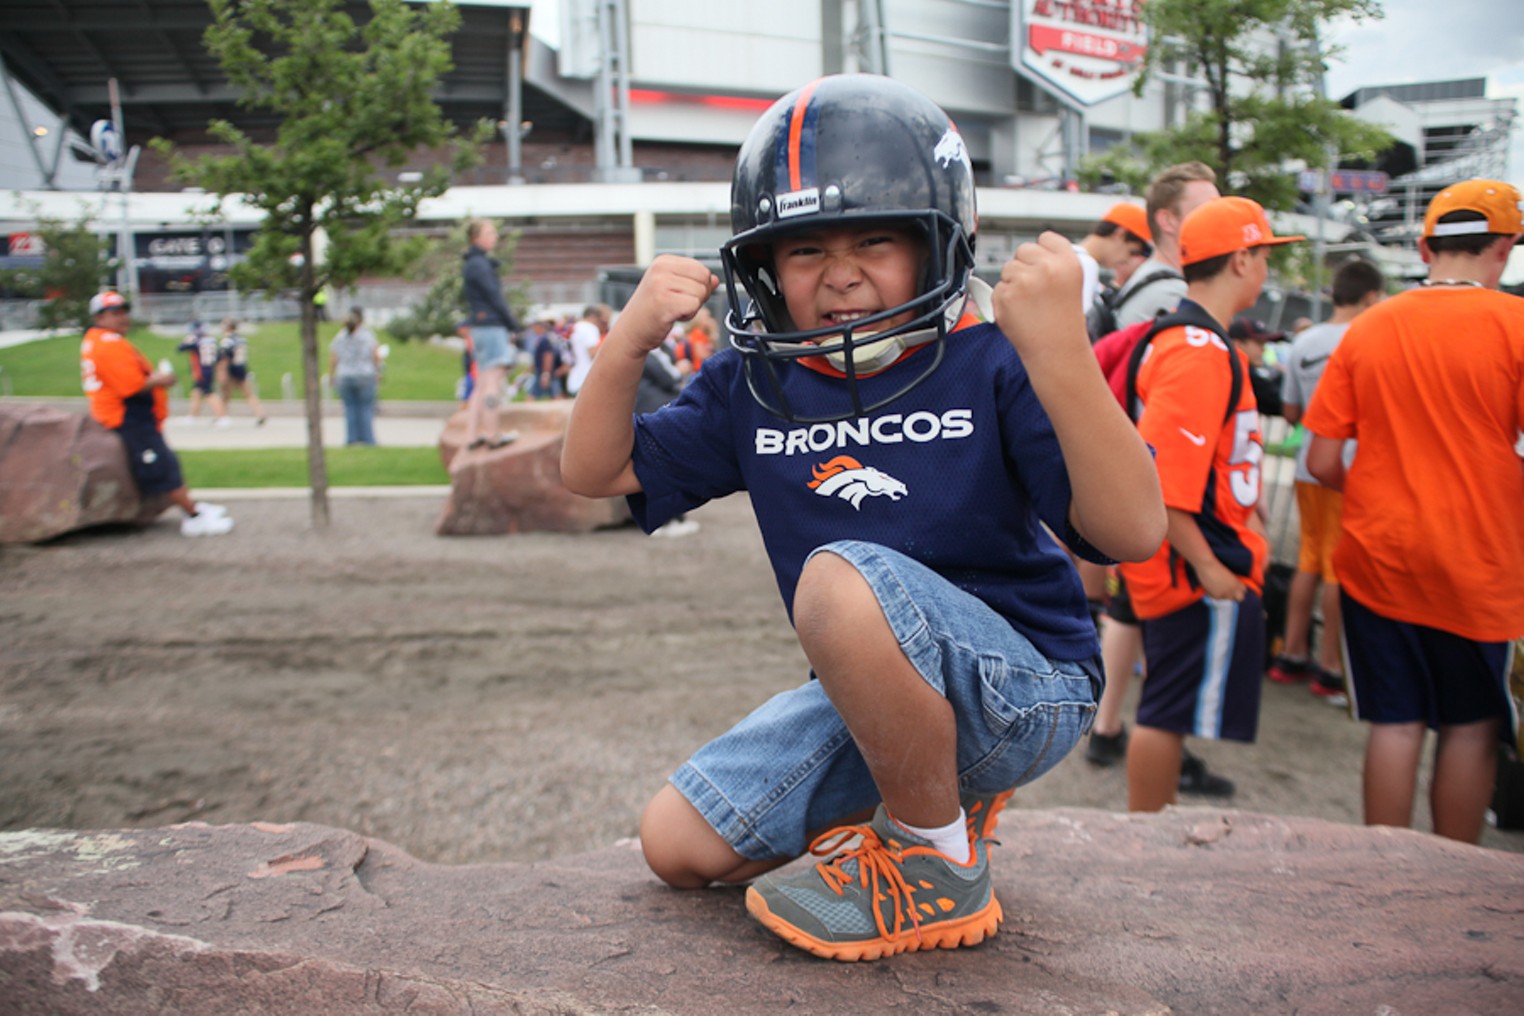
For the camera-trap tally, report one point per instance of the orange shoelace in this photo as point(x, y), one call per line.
point(878, 865)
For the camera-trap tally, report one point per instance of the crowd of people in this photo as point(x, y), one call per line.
point(556, 354)
point(986, 512)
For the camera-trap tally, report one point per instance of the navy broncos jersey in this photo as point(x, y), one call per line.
point(962, 473)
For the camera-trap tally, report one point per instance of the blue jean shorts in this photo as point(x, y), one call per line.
point(489, 344)
point(791, 769)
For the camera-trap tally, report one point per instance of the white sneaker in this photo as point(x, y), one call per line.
point(678, 527)
point(206, 525)
point(222, 423)
point(207, 508)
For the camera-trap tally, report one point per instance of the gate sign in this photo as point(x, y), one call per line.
point(1088, 49)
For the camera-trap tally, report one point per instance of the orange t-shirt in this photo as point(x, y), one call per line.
point(1431, 383)
point(1207, 467)
point(113, 371)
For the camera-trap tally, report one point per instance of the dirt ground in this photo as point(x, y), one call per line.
point(468, 699)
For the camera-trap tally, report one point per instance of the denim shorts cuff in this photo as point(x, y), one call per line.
point(719, 813)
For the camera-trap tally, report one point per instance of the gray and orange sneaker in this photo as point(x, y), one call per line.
point(982, 812)
point(890, 893)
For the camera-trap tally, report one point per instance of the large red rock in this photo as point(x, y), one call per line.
point(1191, 911)
point(517, 488)
point(63, 471)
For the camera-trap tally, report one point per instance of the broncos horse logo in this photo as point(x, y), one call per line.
point(850, 480)
point(950, 149)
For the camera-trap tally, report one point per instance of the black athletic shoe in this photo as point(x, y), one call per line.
point(1195, 778)
point(1106, 749)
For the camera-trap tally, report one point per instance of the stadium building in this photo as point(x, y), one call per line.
point(617, 122)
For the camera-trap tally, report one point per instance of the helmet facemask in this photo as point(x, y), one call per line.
point(764, 332)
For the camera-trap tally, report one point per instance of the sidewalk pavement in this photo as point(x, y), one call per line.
point(283, 431)
point(288, 431)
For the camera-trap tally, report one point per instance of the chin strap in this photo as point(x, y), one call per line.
point(872, 355)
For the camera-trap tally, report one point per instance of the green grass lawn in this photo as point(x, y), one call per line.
point(356, 466)
point(414, 371)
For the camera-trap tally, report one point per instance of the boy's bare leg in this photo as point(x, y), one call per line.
point(1153, 768)
point(1465, 768)
point(1391, 772)
point(1121, 646)
point(904, 728)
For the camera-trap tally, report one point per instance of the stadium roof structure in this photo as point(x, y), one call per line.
point(66, 51)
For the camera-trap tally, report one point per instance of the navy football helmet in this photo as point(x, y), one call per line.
point(846, 150)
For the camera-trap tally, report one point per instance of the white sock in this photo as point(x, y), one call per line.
point(950, 840)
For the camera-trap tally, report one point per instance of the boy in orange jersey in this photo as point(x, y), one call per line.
point(128, 396)
point(1431, 382)
point(1198, 598)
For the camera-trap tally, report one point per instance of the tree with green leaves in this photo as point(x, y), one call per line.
point(351, 99)
point(1260, 64)
point(74, 266)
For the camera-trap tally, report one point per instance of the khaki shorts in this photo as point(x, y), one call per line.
point(1320, 508)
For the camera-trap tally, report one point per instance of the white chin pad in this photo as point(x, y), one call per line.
point(872, 355)
point(869, 354)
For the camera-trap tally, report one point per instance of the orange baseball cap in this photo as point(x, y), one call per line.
point(1132, 218)
point(1497, 201)
point(1224, 225)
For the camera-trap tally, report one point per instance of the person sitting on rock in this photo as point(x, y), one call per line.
point(127, 395)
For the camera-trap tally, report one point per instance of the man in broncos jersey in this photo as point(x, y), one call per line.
point(907, 460)
point(1199, 597)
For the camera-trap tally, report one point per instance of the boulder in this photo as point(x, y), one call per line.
point(517, 488)
point(1193, 910)
point(60, 472)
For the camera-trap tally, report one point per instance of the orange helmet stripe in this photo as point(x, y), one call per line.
point(795, 133)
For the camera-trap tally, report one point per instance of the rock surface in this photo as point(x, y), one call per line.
point(1193, 910)
point(517, 488)
point(60, 472)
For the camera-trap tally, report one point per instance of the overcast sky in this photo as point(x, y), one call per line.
point(1438, 40)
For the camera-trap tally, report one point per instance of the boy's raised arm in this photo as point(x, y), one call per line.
point(595, 460)
point(1117, 505)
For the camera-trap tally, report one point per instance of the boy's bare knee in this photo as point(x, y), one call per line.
point(832, 598)
point(680, 847)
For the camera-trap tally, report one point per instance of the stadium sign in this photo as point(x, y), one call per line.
point(1087, 49)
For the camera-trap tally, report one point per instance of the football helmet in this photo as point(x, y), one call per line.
point(845, 150)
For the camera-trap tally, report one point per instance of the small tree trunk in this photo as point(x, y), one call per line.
point(317, 466)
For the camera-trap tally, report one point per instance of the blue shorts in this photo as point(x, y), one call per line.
point(791, 769)
point(1205, 665)
point(1401, 672)
point(489, 344)
point(155, 469)
point(206, 381)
